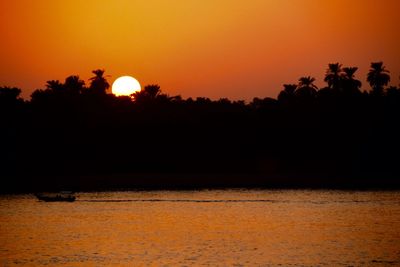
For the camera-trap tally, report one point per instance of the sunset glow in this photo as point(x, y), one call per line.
point(224, 48)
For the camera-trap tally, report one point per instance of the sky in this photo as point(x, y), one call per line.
point(214, 48)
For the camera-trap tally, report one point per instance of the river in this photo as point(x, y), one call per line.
point(203, 228)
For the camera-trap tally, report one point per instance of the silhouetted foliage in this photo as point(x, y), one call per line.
point(306, 89)
point(333, 76)
point(148, 94)
point(351, 86)
point(378, 77)
point(9, 96)
point(73, 85)
point(287, 95)
point(55, 86)
point(98, 83)
point(393, 92)
point(305, 137)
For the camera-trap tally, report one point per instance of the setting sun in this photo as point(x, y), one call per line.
point(125, 86)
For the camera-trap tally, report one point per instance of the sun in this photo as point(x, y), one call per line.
point(125, 86)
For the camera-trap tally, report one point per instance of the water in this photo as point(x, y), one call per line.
point(203, 228)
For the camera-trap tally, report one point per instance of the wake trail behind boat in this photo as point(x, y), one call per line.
point(219, 201)
point(178, 200)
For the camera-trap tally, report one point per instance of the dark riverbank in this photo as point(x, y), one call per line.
point(197, 181)
point(71, 135)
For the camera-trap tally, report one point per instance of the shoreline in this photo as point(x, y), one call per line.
point(195, 181)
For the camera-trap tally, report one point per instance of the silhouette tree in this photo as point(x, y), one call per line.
point(203, 100)
point(306, 88)
point(74, 85)
point(9, 94)
point(55, 85)
point(152, 94)
point(378, 77)
point(177, 99)
point(59, 92)
point(351, 86)
point(224, 101)
point(393, 92)
point(288, 93)
point(333, 76)
point(40, 95)
point(73, 130)
point(149, 92)
point(9, 97)
point(265, 104)
point(152, 91)
point(99, 84)
point(53, 93)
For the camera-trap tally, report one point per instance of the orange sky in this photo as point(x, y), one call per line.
point(215, 48)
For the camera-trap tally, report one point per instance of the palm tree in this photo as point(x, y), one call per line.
point(287, 93)
point(307, 82)
point(99, 84)
point(9, 95)
point(333, 75)
point(306, 87)
point(74, 85)
point(350, 84)
point(152, 91)
point(378, 77)
point(54, 85)
point(149, 93)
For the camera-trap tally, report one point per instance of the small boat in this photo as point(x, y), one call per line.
point(64, 196)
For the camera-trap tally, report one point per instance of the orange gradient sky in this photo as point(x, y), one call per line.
point(215, 48)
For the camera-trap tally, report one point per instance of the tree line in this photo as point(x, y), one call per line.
point(338, 135)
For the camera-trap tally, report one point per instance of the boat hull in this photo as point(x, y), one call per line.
point(56, 198)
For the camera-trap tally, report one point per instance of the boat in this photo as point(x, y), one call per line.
point(64, 196)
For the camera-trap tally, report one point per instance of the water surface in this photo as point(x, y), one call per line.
point(203, 228)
